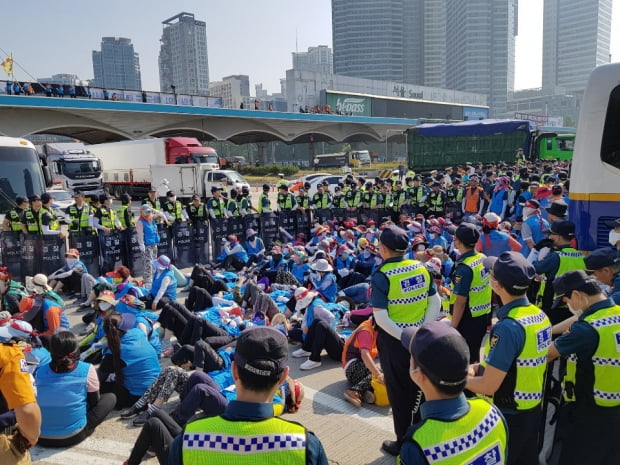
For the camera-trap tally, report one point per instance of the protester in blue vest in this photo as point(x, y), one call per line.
point(130, 364)
point(254, 246)
point(324, 282)
point(299, 266)
point(68, 395)
point(233, 254)
point(164, 287)
point(69, 277)
point(148, 238)
point(534, 227)
point(499, 197)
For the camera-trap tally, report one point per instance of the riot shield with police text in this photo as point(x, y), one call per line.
point(12, 253)
point(88, 246)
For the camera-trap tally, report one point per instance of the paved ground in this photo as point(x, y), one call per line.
point(350, 436)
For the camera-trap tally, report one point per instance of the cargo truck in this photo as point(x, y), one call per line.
point(189, 180)
point(73, 167)
point(126, 165)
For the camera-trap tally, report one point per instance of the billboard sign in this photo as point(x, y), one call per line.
point(349, 104)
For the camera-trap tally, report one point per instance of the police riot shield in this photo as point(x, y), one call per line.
point(288, 224)
point(53, 250)
point(165, 244)
point(218, 236)
point(339, 214)
point(303, 223)
point(88, 246)
point(110, 246)
point(136, 256)
point(322, 215)
point(183, 245)
point(201, 241)
point(269, 228)
point(235, 226)
point(125, 247)
point(11, 253)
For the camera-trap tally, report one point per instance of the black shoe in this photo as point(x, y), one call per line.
point(132, 412)
point(391, 447)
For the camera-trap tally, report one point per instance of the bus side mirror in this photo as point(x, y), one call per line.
point(47, 176)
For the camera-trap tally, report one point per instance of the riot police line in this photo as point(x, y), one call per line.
point(186, 244)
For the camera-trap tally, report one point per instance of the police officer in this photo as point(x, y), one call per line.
point(80, 214)
point(320, 200)
point(281, 181)
point(126, 218)
point(454, 199)
point(173, 209)
point(286, 200)
point(417, 196)
point(13, 219)
point(354, 198)
point(196, 210)
point(591, 389)
point(264, 204)
point(32, 219)
point(471, 301)
point(258, 368)
point(245, 204)
point(338, 201)
point(560, 259)
point(513, 371)
point(403, 295)
point(302, 199)
point(399, 200)
point(232, 205)
point(436, 200)
point(439, 366)
point(16, 388)
point(49, 220)
point(106, 222)
point(216, 206)
point(152, 200)
point(604, 264)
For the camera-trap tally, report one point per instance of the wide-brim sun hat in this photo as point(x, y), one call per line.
point(304, 297)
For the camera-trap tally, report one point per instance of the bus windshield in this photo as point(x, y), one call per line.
point(21, 175)
point(81, 169)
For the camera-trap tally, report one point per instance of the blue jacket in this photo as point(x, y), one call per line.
point(151, 236)
point(142, 363)
point(62, 399)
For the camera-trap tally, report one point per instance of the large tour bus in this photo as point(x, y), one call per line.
point(595, 173)
point(21, 171)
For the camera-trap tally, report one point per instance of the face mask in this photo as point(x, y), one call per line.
point(575, 312)
point(378, 260)
point(252, 238)
point(104, 306)
point(71, 261)
point(173, 199)
point(434, 235)
point(420, 247)
point(276, 257)
point(110, 203)
point(285, 253)
point(614, 237)
point(527, 211)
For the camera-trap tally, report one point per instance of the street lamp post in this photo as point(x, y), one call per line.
point(174, 91)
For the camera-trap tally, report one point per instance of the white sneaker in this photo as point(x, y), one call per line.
point(301, 353)
point(309, 365)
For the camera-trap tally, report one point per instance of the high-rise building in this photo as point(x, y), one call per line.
point(318, 59)
point(244, 82)
point(183, 61)
point(116, 66)
point(368, 38)
point(480, 48)
point(576, 38)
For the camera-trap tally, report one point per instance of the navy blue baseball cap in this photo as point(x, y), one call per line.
point(440, 351)
point(562, 228)
point(467, 234)
point(511, 270)
point(394, 238)
point(573, 280)
point(601, 258)
point(261, 350)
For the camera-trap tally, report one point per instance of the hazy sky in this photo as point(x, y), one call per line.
point(243, 36)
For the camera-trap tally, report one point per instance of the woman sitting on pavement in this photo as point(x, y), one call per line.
point(324, 282)
point(164, 286)
point(310, 305)
point(254, 246)
point(358, 362)
point(200, 392)
point(69, 278)
point(68, 394)
point(131, 364)
point(11, 292)
point(233, 254)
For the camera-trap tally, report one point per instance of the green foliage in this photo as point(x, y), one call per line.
point(268, 170)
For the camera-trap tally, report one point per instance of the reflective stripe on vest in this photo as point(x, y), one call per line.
point(233, 207)
point(197, 212)
point(264, 203)
point(33, 224)
point(303, 201)
point(121, 216)
point(531, 363)
point(478, 437)
point(272, 441)
point(479, 299)
point(400, 197)
point(435, 201)
point(80, 217)
point(217, 205)
point(606, 360)
point(54, 224)
point(408, 291)
point(175, 209)
point(108, 217)
point(285, 201)
point(570, 259)
point(15, 220)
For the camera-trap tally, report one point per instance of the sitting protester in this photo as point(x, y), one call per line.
point(69, 278)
